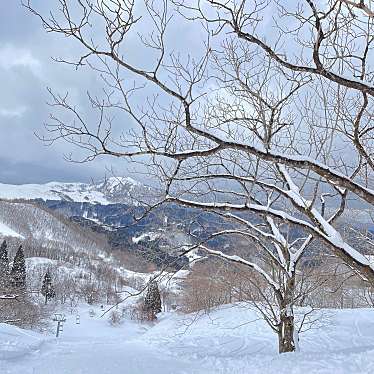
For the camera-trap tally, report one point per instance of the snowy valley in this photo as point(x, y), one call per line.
point(194, 333)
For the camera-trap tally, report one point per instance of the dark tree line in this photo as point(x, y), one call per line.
point(152, 301)
point(15, 277)
point(17, 305)
point(48, 290)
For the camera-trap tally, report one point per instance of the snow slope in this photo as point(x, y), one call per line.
point(5, 230)
point(230, 340)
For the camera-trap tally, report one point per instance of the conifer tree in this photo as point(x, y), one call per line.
point(18, 273)
point(4, 266)
point(152, 301)
point(48, 290)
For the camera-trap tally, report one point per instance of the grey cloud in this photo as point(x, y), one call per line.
point(26, 70)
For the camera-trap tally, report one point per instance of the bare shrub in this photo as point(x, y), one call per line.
point(115, 318)
point(138, 313)
point(90, 292)
point(136, 283)
point(25, 312)
point(203, 290)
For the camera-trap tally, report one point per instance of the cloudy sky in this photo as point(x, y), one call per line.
point(26, 70)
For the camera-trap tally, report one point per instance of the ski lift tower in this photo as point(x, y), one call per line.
point(60, 319)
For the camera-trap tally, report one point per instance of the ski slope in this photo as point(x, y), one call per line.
point(230, 340)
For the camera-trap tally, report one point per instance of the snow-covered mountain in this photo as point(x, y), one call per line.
point(112, 190)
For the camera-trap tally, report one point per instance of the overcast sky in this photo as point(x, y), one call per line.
point(26, 70)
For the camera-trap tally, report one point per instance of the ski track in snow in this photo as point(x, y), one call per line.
point(217, 343)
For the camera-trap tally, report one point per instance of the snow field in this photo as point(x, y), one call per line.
point(230, 340)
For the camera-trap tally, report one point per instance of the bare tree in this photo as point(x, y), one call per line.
point(213, 283)
point(362, 5)
point(240, 124)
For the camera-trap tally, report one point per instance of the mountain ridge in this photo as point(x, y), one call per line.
point(111, 190)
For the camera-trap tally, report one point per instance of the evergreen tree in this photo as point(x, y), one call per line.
point(4, 266)
point(152, 301)
point(18, 273)
point(48, 290)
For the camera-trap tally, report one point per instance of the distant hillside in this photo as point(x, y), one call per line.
point(30, 222)
point(159, 237)
point(108, 208)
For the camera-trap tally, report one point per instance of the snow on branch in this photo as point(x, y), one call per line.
point(324, 229)
point(302, 162)
point(8, 297)
point(361, 4)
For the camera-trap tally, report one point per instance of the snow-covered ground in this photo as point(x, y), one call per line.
point(230, 340)
point(5, 230)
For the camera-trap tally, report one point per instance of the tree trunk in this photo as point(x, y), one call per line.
point(286, 334)
point(286, 325)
